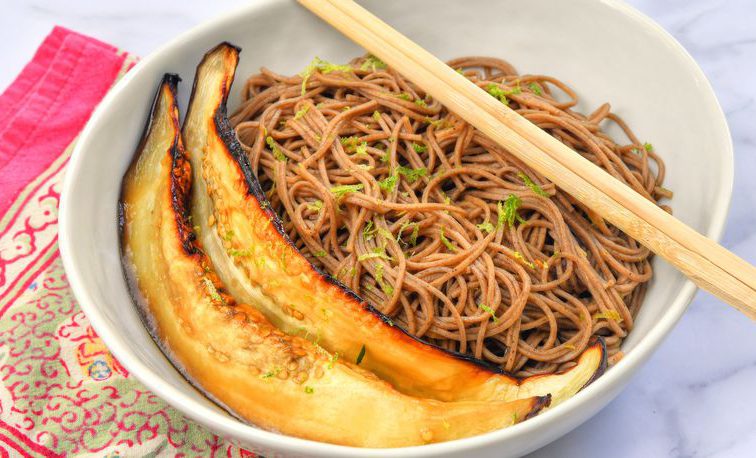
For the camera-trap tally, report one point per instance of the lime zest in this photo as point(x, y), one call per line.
point(532, 185)
point(342, 190)
point(277, 153)
point(507, 211)
point(490, 311)
point(377, 253)
point(412, 175)
point(447, 243)
point(486, 227)
point(372, 63)
point(535, 88)
point(322, 66)
point(419, 148)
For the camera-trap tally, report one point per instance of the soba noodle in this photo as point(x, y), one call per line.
point(437, 226)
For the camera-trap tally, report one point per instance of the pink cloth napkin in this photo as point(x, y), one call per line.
point(61, 392)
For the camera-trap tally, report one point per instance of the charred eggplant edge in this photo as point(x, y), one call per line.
point(180, 205)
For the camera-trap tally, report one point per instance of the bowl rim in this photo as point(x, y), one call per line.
point(222, 423)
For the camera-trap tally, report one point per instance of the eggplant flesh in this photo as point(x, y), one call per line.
point(248, 246)
point(232, 353)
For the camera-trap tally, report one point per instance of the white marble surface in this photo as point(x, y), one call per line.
point(695, 396)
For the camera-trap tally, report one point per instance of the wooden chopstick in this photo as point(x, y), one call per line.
point(707, 263)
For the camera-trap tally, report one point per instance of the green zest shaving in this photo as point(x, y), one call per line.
point(353, 144)
point(376, 116)
point(315, 206)
point(333, 360)
point(449, 246)
point(322, 66)
point(419, 148)
point(535, 88)
point(342, 273)
point(490, 311)
point(388, 289)
point(498, 92)
point(522, 260)
point(486, 227)
point(301, 112)
point(413, 235)
point(437, 123)
point(240, 253)
point(388, 184)
point(349, 143)
point(229, 236)
point(412, 175)
point(369, 230)
point(385, 233)
point(343, 190)
point(361, 149)
point(271, 373)
point(421, 103)
point(360, 355)
point(211, 290)
point(648, 147)
point(377, 253)
point(379, 273)
point(532, 185)
point(309, 390)
point(277, 153)
point(372, 63)
point(404, 96)
point(319, 254)
point(507, 210)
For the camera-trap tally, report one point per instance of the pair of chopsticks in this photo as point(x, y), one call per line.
point(706, 263)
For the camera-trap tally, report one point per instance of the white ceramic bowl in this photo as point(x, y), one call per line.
point(604, 49)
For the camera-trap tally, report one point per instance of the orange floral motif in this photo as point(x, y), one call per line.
point(64, 393)
point(84, 354)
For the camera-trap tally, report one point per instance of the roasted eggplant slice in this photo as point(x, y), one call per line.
point(253, 256)
point(237, 357)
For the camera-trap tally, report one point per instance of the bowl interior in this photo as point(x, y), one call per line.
point(604, 50)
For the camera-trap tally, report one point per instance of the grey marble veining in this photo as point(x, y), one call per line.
point(694, 397)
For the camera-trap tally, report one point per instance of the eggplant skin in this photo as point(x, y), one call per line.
point(230, 352)
point(254, 257)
